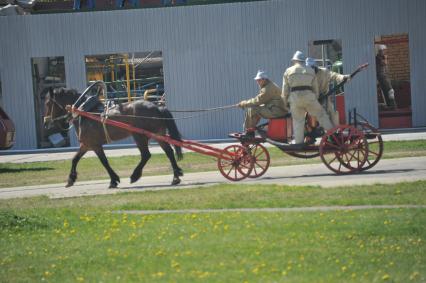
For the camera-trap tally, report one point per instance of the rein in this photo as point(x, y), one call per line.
point(207, 109)
point(162, 118)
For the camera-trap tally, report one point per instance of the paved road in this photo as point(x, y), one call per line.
point(386, 171)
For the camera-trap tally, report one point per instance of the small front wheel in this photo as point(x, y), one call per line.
point(261, 159)
point(237, 164)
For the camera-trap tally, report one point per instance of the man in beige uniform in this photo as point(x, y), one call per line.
point(267, 104)
point(324, 78)
point(300, 90)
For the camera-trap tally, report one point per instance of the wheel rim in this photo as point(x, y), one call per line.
point(261, 160)
point(240, 165)
point(375, 144)
point(344, 150)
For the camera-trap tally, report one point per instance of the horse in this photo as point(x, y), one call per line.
point(92, 134)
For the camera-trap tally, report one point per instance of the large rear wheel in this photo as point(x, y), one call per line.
point(344, 149)
point(375, 144)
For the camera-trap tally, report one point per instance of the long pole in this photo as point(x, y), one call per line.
point(191, 145)
point(126, 61)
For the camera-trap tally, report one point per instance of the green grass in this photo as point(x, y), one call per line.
point(81, 240)
point(37, 173)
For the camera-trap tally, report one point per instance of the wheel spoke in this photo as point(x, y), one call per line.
point(258, 164)
point(335, 157)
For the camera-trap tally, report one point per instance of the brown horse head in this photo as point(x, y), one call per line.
point(55, 114)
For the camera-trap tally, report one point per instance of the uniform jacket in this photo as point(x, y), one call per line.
point(270, 95)
point(296, 76)
point(324, 76)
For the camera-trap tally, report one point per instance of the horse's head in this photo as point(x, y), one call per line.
point(55, 114)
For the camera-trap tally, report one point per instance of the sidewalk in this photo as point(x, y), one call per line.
point(17, 156)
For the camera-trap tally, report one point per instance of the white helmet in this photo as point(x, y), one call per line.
point(261, 75)
point(298, 56)
point(380, 47)
point(310, 62)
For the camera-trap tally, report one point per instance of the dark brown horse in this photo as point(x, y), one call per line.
point(92, 134)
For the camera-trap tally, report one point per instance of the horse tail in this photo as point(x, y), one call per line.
point(173, 130)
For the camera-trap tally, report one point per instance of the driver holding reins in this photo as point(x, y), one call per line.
point(267, 104)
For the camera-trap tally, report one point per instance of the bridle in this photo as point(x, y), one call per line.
point(66, 117)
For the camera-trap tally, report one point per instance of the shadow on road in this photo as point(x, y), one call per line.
point(374, 172)
point(19, 170)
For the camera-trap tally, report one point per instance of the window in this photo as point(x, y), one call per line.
point(128, 76)
point(47, 72)
point(328, 54)
point(393, 80)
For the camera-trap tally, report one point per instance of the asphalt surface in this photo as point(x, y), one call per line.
point(388, 171)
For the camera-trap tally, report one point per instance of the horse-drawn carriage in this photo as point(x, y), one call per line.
point(347, 148)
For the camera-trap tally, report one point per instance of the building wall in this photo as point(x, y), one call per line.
point(211, 53)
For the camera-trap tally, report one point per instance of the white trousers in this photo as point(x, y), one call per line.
point(302, 102)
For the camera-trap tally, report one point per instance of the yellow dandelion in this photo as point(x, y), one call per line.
point(80, 278)
point(414, 275)
point(160, 253)
point(174, 264)
point(386, 277)
point(158, 274)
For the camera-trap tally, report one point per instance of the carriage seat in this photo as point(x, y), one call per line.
point(280, 129)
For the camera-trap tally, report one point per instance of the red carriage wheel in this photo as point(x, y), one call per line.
point(375, 144)
point(238, 166)
point(261, 159)
point(344, 149)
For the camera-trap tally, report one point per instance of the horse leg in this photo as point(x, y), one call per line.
point(102, 157)
point(177, 171)
point(142, 143)
point(73, 174)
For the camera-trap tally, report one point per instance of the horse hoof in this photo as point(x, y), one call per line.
point(69, 184)
point(134, 178)
point(176, 181)
point(113, 185)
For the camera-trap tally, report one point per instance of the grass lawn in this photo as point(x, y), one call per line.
point(82, 240)
point(91, 169)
